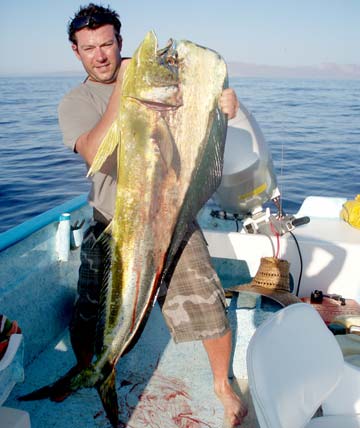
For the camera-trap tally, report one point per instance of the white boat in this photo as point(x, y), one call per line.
point(161, 384)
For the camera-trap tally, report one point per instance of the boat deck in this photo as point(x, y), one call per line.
point(160, 385)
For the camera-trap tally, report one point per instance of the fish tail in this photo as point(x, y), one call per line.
point(57, 391)
point(39, 394)
point(107, 392)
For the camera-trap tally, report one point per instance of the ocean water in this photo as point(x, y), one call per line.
point(312, 127)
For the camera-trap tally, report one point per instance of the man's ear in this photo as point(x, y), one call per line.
point(119, 39)
point(75, 50)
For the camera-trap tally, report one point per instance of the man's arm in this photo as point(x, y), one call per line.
point(88, 143)
point(229, 103)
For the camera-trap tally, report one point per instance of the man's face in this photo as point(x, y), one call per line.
point(99, 52)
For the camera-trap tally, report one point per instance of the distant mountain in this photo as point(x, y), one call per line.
point(323, 71)
point(245, 69)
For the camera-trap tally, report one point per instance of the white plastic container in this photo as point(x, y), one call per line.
point(63, 237)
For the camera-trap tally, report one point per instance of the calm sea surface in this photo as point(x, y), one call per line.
point(312, 126)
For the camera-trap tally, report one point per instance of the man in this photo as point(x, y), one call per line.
point(85, 115)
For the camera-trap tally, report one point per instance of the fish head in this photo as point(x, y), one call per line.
point(152, 76)
point(193, 59)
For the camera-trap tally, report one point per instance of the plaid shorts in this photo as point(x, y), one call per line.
point(193, 303)
point(194, 307)
point(85, 315)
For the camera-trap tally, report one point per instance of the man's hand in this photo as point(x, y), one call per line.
point(229, 103)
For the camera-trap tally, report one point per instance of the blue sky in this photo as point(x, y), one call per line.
point(280, 32)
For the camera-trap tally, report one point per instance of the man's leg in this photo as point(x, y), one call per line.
point(195, 309)
point(85, 315)
point(219, 352)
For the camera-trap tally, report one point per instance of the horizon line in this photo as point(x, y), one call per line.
point(244, 69)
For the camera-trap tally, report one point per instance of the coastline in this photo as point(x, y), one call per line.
point(326, 71)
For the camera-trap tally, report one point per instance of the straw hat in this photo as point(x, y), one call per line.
point(271, 280)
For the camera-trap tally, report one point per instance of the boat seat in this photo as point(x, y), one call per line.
point(342, 421)
point(14, 418)
point(295, 366)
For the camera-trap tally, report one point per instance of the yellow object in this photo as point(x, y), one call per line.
point(350, 347)
point(254, 192)
point(348, 321)
point(351, 212)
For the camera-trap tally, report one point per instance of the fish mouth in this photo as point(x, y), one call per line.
point(158, 106)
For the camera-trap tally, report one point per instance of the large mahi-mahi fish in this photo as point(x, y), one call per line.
point(170, 136)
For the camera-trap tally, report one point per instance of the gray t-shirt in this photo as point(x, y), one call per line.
point(79, 111)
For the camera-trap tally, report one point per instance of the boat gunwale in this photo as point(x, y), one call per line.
point(18, 233)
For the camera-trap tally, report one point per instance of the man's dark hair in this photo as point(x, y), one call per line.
point(93, 16)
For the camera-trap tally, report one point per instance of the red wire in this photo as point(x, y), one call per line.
point(277, 240)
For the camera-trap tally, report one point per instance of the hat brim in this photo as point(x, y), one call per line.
point(284, 298)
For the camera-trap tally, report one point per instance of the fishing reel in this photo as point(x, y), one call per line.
point(263, 221)
point(317, 296)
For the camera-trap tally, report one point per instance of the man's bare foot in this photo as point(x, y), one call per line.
point(235, 409)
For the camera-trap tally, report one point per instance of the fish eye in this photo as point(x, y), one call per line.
point(172, 60)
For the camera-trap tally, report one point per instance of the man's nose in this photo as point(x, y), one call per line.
point(100, 54)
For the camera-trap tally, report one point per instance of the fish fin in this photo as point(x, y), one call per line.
point(39, 394)
point(56, 391)
point(107, 392)
point(107, 245)
point(107, 146)
point(103, 238)
point(108, 229)
point(206, 179)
